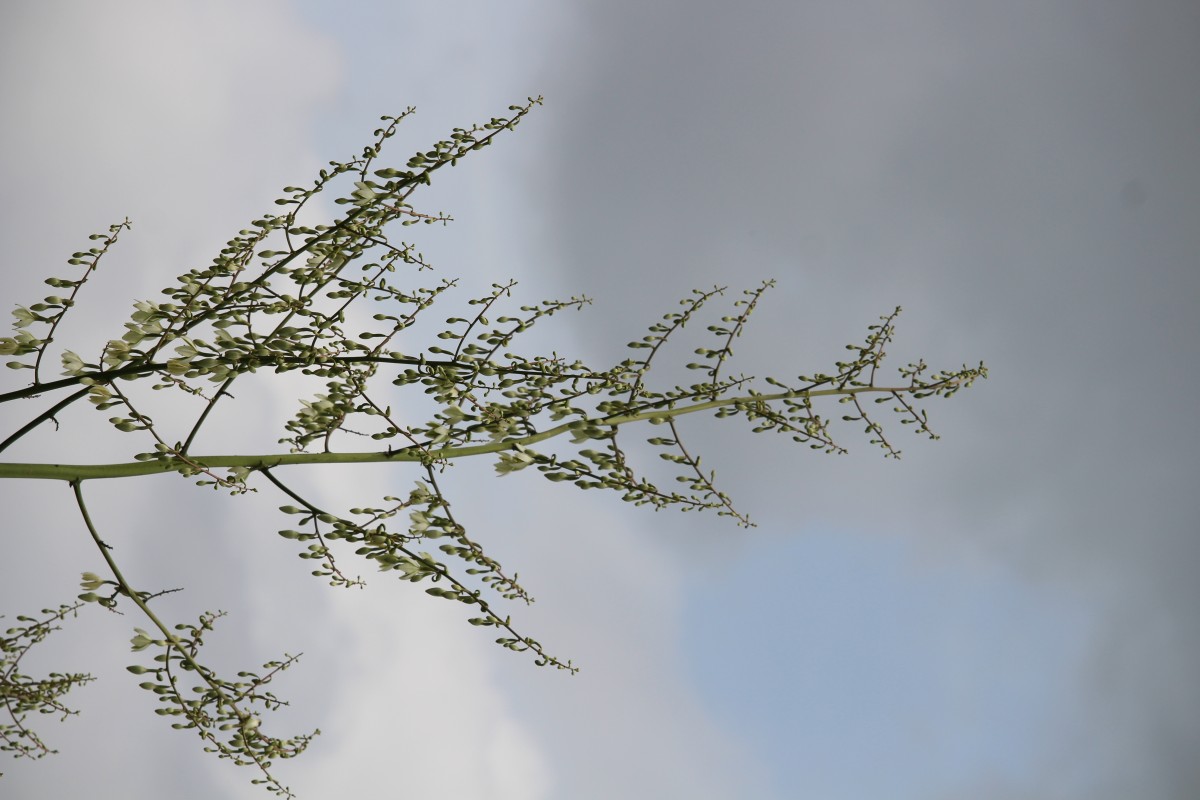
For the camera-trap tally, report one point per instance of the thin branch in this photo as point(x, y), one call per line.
point(45, 415)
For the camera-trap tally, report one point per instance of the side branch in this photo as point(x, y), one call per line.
point(258, 361)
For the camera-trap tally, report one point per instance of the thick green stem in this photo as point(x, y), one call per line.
point(82, 472)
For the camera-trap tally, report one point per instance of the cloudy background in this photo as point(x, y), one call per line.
point(1007, 613)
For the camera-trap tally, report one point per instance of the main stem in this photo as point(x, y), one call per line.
point(82, 472)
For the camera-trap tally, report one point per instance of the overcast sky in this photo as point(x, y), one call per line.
point(1010, 612)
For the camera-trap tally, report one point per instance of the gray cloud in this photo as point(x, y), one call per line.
point(1023, 180)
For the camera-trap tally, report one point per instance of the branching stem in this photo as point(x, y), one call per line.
point(80, 472)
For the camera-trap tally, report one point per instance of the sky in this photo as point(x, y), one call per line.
point(1006, 613)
